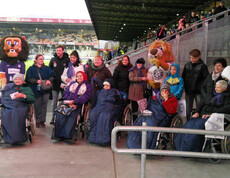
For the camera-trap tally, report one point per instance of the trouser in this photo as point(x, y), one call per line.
point(40, 107)
point(189, 103)
point(134, 109)
point(55, 98)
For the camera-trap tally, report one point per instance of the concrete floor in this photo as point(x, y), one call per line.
point(47, 158)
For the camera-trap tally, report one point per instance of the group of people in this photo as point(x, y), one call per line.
point(107, 95)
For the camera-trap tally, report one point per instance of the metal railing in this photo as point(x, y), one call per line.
point(143, 151)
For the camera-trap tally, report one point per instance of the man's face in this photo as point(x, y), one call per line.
point(59, 52)
point(193, 14)
point(194, 59)
point(221, 4)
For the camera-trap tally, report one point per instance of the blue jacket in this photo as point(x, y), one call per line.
point(176, 82)
point(32, 77)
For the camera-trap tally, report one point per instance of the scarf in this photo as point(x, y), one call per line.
point(70, 70)
point(98, 68)
point(217, 99)
point(215, 76)
point(139, 73)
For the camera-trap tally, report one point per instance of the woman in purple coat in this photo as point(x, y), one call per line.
point(77, 93)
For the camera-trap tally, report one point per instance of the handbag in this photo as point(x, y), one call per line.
point(43, 85)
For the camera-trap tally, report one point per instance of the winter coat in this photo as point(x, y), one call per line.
point(64, 76)
point(207, 90)
point(58, 65)
point(193, 19)
point(121, 77)
point(189, 142)
point(136, 89)
point(65, 125)
point(101, 72)
point(194, 75)
point(79, 93)
point(176, 82)
point(32, 78)
point(14, 113)
point(103, 116)
point(159, 118)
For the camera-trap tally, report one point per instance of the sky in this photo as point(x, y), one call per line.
point(61, 9)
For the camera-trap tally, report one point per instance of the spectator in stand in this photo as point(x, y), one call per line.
point(194, 74)
point(193, 18)
point(219, 9)
point(57, 64)
point(181, 23)
point(70, 71)
point(202, 16)
point(161, 32)
point(213, 11)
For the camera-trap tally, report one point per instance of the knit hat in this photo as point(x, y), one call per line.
point(18, 75)
point(226, 73)
point(166, 86)
point(84, 75)
point(140, 61)
point(222, 2)
point(110, 82)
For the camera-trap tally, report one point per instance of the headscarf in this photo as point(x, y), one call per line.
point(85, 77)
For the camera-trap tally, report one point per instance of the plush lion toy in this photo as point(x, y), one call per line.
point(14, 50)
point(160, 55)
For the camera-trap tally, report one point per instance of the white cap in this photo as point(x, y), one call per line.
point(226, 73)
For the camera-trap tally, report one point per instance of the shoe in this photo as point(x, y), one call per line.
point(52, 121)
point(38, 125)
point(42, 124)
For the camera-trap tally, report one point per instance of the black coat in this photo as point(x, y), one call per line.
point(194, 75)
point(121, 77)
point(58, 65)
point(193, 19)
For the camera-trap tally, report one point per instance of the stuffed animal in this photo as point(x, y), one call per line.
point(14, 50)
point(160, 56)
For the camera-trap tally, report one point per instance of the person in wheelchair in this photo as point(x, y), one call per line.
point(220, 103)
point(15, 100)
point(104, 114)
point(161, 106)
point(77, 93)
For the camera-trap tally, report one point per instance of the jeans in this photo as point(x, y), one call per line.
point(40, 107)
point(189, 103)
point(55, 98)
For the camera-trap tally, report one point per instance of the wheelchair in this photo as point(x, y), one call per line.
point(81, 127)
point(166, 139)
point(30, 126)
point(217, 144)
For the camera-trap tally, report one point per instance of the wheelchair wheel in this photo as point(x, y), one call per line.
point(177, 122)
point(29, 137)
point(128, 117)
point(225, 143)
point(30, 118)
point(53, 133)
point(86, 125)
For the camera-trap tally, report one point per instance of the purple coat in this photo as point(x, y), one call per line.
point(79, 93)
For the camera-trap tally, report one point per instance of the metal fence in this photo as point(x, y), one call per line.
point(143, 151)
point(211, 36)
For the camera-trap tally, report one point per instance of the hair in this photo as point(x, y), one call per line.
point(195, 53)
point(60, 46)
point(220, 60)
point(100, 57)
point(37, 56)
point(222, 83)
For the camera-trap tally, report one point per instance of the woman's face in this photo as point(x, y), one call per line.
point(18, 81)
point(139, 65)
point(218, 68)
point(97, 62)
point(219, 88)
point(73, 59)
point(106, 86)
point(79, 77)
point(125, 61)
point(173, 70)
point(40, 60)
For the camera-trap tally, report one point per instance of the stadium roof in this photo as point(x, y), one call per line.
point(124, 20)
